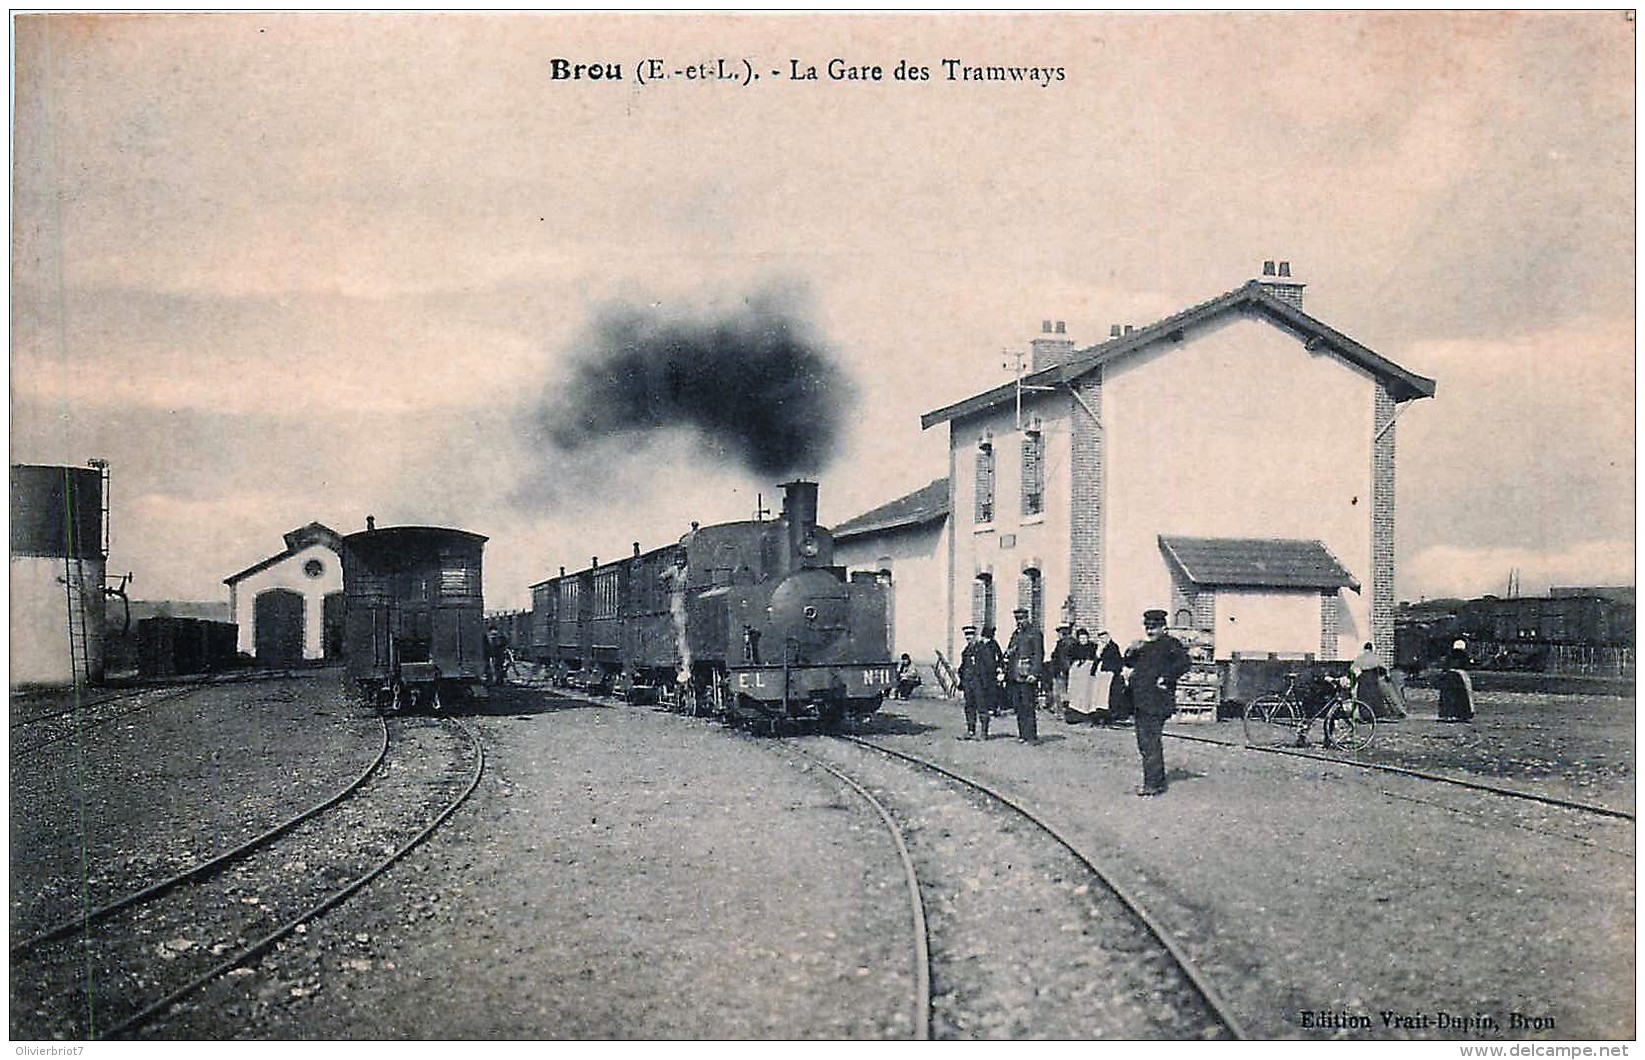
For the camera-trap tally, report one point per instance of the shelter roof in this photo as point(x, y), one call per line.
point(1257, 562)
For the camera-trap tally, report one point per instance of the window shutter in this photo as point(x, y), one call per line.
point(1033, 484)
point(985, 483)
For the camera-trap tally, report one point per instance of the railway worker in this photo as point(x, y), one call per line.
point(1156, 663)
point(996, 696)
point(979, 681)
point(1024, 673)
point(1061, 660)
point(496, 656)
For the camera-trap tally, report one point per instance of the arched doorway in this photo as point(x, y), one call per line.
point(278, 625)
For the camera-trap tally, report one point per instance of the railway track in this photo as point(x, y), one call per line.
point(920, 932)
point(115, 970)
point(1419, 774)
point(79, 716)
point(1137, 957)
point(76, 721)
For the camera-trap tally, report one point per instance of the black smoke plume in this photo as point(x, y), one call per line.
point(753, 383)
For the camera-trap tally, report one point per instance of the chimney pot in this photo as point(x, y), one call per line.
point(1267, 268)
point(1285, 268)
point(636, 548)
point(595, 562)
point(1128, 329)
point(1114, 331)
point(1045, 327)
point(1062, 327)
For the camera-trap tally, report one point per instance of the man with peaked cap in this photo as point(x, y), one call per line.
point(979, 681)
point(1024, 671)
point(1060, 663)
point(1156, 663)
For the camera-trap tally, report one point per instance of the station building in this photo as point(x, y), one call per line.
point(289, 607)
point(1233, 463)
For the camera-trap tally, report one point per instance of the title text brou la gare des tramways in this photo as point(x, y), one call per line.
point(833, 70)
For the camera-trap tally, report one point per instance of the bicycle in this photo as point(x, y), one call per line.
point(1285, 717)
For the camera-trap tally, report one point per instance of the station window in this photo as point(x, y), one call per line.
point(982, 601)
point(1031, 594)
point(985, 482)
point(1033, 473)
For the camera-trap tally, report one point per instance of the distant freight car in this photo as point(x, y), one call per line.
point(172, 647)
point(750, 621)
point(415, 631)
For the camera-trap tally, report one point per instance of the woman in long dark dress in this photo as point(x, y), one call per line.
point(1456, 689)
point(1111, 660)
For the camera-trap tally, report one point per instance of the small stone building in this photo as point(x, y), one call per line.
point(904, 543)
point(289, 607)
point(1232, 463)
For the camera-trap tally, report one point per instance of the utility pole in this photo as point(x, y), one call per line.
point(1015, 366)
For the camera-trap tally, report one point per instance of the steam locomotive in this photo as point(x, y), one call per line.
point(749, 621)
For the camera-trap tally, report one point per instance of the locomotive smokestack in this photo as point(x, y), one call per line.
point(800, 511)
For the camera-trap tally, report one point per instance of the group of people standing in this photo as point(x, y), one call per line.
point(1085, 677)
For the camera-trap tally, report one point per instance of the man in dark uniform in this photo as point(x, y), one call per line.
point(1156, 662)
point(1059, 666)
point(1024, 669)
point(979, 680)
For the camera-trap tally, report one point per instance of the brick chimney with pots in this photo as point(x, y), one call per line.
point(1051, 347)
point(1276, 279)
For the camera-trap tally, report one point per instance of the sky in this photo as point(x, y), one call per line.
point(283, 268)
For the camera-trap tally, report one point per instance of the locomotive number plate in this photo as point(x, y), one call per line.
point(876, 677)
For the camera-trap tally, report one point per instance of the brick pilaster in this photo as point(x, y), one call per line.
point(1088, 495)
point(1329, 620)
point(1382, 523)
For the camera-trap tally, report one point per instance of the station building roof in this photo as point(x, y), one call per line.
point(928, 504)
point(1249, 298)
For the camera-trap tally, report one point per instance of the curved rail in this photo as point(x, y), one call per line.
point(84, 726)
point(174, 688)
point(80, 705)
point(204, 868)
point(1419, 774)
point(922, 938)
point(1213, 1001)
point(262, 945)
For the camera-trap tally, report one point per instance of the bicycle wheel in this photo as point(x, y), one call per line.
point(1270, 721)
point(1355, 724)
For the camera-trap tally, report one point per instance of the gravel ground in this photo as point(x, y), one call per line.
point(620, 874)
point(1302, 887)
point(96, 817)
point(623, 873)
point(1025, 943)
